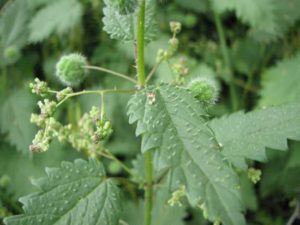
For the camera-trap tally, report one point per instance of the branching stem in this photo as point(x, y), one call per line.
point(152, 72)
point(111, 72)
point(295, 215)
point(100, 92)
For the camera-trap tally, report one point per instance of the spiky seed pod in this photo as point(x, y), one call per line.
point(205, 90)
point(70, 69)
point(11, 54)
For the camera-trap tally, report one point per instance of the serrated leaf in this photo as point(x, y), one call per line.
point(260, 14)
point(123, 27)
point(14, 24)
point(15, 119)
point(269, 19)
point(172, 124)
point(56, 17)
point(281, 83)
point(287, 14)
point(245, 136)
point(76, 193)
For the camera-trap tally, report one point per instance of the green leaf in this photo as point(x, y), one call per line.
point(281, 83)
point(269, 19)
point(172, 124)
point(260, 14)
point(76, 193)
point(123, 27)
point(14, 24)
point(23, 168)
point(15, 119)
point(246, 135)
point(56, 17)
point(287, 14)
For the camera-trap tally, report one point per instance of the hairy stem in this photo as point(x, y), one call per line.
point(152, 72)
point(140, 39)
point(226, 58)
point(295, 215)
point(111, 72)
point(140, 61)
point(99, 92)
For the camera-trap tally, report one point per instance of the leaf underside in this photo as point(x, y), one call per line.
point(245, 136)
point(14, 119)
point(74, 194)
point(173, 125)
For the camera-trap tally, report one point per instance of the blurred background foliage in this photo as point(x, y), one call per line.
point(261, 51)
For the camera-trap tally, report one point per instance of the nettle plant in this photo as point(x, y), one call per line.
point(189, 158)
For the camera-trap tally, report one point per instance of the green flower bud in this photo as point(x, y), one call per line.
point(4, 180)
point(254, 175)
point(205, 90)
point(11, 54)
point(177, 196)
point(103, 131)
point(63, 93)
point(39, 87)
point(40, 142)
point(175, 27)
point(47, 107)
point(114, 167)
point(70, 69)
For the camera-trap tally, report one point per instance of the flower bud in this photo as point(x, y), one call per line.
point(114, 167)
point(175, 27)
point(70, 69)
point(254, 175)
point(39, 87)
point(63, 93)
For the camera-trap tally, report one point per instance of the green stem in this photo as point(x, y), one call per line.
point(148, 188)
point(99, 92)
point(226, 58)
point(140, 61)
point(111, 72)
point(152, 72)
point(109, 155)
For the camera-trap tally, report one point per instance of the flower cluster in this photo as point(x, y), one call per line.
point(181, 70)
point(173, 44)
point(176, 197)
point(254, 175)
point(39, 87)
point(84, 136)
